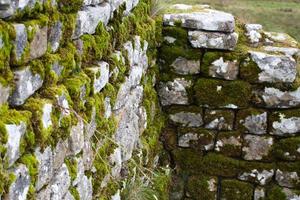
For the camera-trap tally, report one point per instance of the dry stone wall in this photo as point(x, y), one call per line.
point(231, 92)
point(79, 115)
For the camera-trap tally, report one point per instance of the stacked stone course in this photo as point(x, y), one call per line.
point(231, 92)
point(79, 115)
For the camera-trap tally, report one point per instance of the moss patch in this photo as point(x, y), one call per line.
point(199, 187)
point(232, 189)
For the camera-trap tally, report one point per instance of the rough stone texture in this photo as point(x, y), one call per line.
point(255, 124)
point(20, 187)
point(207, 19)
point(287, 179)
point(290, 194)
point(224, 69)
point(45, 169)
point(261, 177)
point(46, 117)
point(89, 18)
point(213, 40)
point(218, 119)
point(275, 98)
point(257, 147)
point(38, 45)
point(183, 66)
point(275, 68)
point(15, 133)
point(229, 144)
point(173, 92)
point(288, 51)
point(5, 92)
point(259, 193)
point(281, 38)
point(55, 35)
point(76, 140)
point(20, 41)
point(286, 126)
point(187, 119)
point(254, 33)
point(184, 140)
point(26, 84)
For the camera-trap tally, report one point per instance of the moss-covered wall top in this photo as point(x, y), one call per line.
point(232, 95)
point(79, 115)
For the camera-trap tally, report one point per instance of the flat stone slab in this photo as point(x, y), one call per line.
point(204, 19)
point(275, 68)
point(213, 40)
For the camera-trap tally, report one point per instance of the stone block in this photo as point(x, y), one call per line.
point(285, 123)
point(229, 143)
point(219, 119)
point(257, 147)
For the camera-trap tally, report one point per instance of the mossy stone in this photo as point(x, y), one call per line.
point(202, 187)
point(222, 93)
point(287, 149)
point(232, 189)
point(229, 143)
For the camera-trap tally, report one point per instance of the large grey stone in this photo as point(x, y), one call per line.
point(287, 179)
point(76, 139)
point(275, 98)
point(288, 51)
point(275, 68)
point(213, 40)
point(184, 140)
point(188, 119)
point(281, 38)
point(286, 126)
point(89, 17)
point(10, 7)
point(223, 69)
point(46, 117)
point(55, 34)
point(5, 92)
point(26, 84)
point(173, 92)
point(257, 147)
point(219, 119)
point(38, 45)
point(20, 187)
point(254, 33)
point(20, 42)
point(205, 19)
point(184, 67)
point(100, 76)
point(45, 167)
point(116, 162)
point(15, 132)
point(261, 177)
point(256, 124)
point(59, 154)
point(92, 2)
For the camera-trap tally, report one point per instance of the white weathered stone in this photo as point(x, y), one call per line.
point(213, 40)
point(76, 139)
point(10, 7)
point(262, 177)
point(169, 39)
point(107, 106)
point(184, 67)
point(257, 147)
point(15, 132)
point(188, 119)
point(68, 196)
point(287, 179)
point(59, 154)
point(20, 187)
point(60, 184)
point(184, 140)
point(26, 84)
point(281, 38)
point(38, 45)
point(275, 98)
point(227, 70)
point(173, 92)
point(57, 68)
point(254, 33)
point(259, 193)
point(102, 80)
point(46, 118)
point(45, 167)
point(275, 68)
point(116, 162)
point(5, 92)
point(20, 42)
point(92, 2)
point(116, 196)
point(286, 126)
point(288, 51)
point(256, 124)
point(89, 17)
point(291, 194)
point(223, 141)
point(206, 19)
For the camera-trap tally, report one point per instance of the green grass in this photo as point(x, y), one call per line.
point(274, 15)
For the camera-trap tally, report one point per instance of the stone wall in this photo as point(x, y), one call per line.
point(232, 95)
point(79, 115)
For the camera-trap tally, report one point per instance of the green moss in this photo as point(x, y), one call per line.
point(7, 34)
point(199, 188)
point(234, 92)
point(74, 193)
point(161, 183)
point(290, 167)
point(284, 146)
point(275, 193)
point(180, 34)
point(69, 59)
point(69, 24)
point(249, 71)
point(72, 165)
point(70, 6)
point(232, 189)
point(32, 164)
point(7, 179)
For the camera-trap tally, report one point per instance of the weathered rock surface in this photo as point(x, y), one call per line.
point(287, 179)
point(173, 92)
point(187, 119)
point(281, 38)
point(219, 119)
point(275, 68)
point(221, 68)
point(255, 124)
point(213, 40)
point(288, 51)
point(20, 187)
point(89, 18)
point(183, 66)
point(259, 193)
point(206, 19)
point(254, 33)
point(55, 35)
point(76, 139)
point(26, 84)
point(257, 147)
point(5, 92)
point(20, 40)
point(38, 45)
point(286, 126)
point(261, 177)
point(100, 76)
